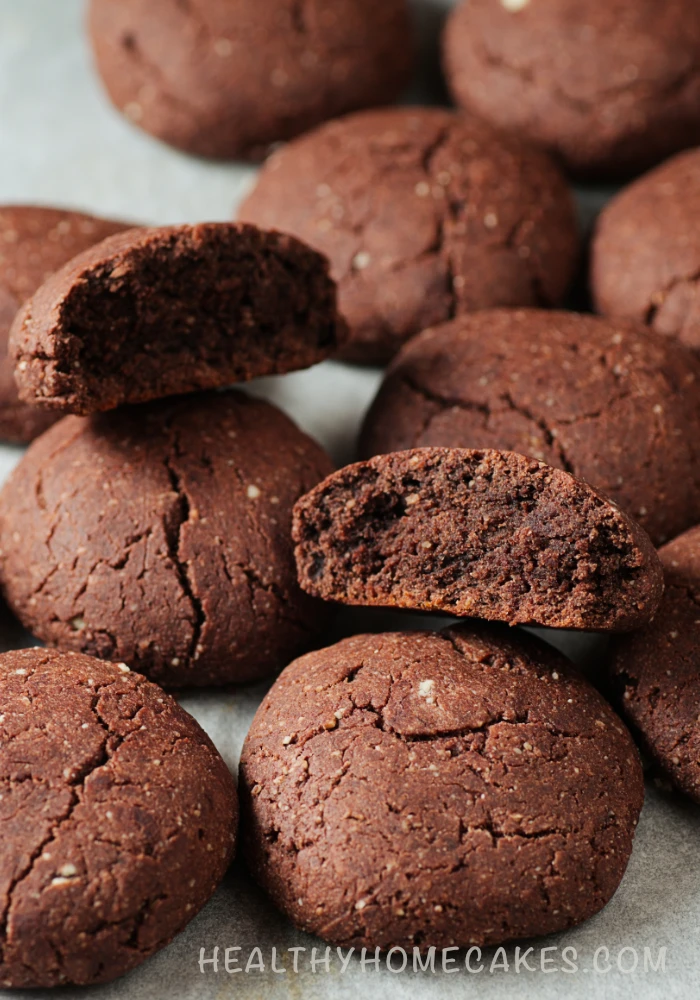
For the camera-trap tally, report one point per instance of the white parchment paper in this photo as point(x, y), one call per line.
point(61, 143)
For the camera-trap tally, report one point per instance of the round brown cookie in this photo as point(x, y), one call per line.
point(117, 819)
point(646, 251)
point(451, 789)
point(486, 534)
point(611, 86)
point(657, 670)
point(34, 242)
point(160, 535)
point(229, 79)
point(423, 214)
point(610, 402)
point(156, 312)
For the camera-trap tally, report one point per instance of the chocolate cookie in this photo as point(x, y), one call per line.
point(486, 534)
point(611, 86)
point(34, 242)
point(611, 403)
point(657, 670)
point(422, 789)
point(117, 819)
point(423, 214)
point(646, 251)
point(155, 312)
point(159, 535)
point(229, 79)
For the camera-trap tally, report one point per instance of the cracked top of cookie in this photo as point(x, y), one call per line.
point(606, 400)
point(611, 86)
point(228, 80)
point(646, 251)
point(154, 312)
point(159, 535)
point(657, 671)
point(424, 214)
point(37, 241)
point(416, 788)
point(34, 242)
point(117, 819)
point(483, 534)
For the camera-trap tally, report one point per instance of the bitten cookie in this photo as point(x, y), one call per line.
point(422, 789)
point(657, 670)
point(117, 819)
point(160, 535)
point(609, 402)
point(646, 251)
point(611, 86)
point(482, 534)
point(423, 214)
point(229, 79)
point(34, 242)
point(155, 312)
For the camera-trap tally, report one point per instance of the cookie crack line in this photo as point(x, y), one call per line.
point(370, 895)
point(487, 411)
point(489, 824)
point(440, 248)
point(586, 107)
point(173, 535)
point(103, 756)
point(653, 308)
point(256, 582)
point(376, 711)
point(548, 434)
point(117, 564)
point(447, 210)
point(254, 578)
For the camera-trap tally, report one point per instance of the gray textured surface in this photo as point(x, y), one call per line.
point(61, 143)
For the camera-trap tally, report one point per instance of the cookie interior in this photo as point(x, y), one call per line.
point(476, 533)
point(170, 311)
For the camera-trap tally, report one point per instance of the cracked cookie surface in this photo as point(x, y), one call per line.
point(159, 535)
point(34, 242)
point(482, 534)
point(466, 787)
point(229, 79)
point(424, 214)
point(609, 402)
point(646, 251)
point(611, 86)
point(154, 312)
point(117, 819)
point(657, 670)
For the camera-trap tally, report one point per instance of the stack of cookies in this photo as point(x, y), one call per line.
point(520, 466)
point(148, 526)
